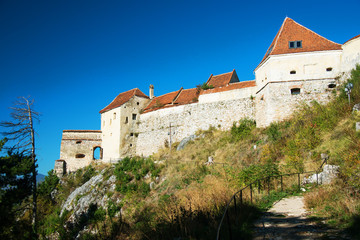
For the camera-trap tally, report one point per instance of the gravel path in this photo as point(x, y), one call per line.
point(287, 220)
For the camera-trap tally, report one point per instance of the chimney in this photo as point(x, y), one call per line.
point(151, 91)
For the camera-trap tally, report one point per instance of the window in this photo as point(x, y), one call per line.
point(293, 72)
point(130, 145)
point(79, 155)
point(134, 116)
point(295, 91)
point(131, 134)
point(114, 116)
point(126, 120)
point(332, 85)
point(329, 69)
point(137, 103)
point(97, 153)
point(78, 142)
point(295, 44)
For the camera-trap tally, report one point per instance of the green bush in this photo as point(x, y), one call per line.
point(273, 132)
point(243, 130)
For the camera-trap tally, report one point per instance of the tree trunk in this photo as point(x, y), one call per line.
point(34, 173)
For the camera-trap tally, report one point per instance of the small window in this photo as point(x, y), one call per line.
point(293, 72)
point(329, 69)
point(126, 120)
point(138, 103)
point(114, 116)
point(295, 91)
point(134, 117)
point(295, 44)
point(130, 145)
point(332, 85)
point(131, 134)
point(110, 121)
point(78, 142)
point(79, 155)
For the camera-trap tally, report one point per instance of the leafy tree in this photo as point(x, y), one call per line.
point(21, 131)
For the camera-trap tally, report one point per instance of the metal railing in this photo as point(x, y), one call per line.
point(264, 183)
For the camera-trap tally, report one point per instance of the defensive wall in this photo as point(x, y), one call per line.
point(154, 127)
point(78, 147)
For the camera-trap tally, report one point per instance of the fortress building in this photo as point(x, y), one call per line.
point(299, 66)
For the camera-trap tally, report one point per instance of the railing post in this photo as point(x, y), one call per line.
point(228, 220)
point(299, 180)
point(317, 178)
point(241, 199)
point(281, 180)
point(235, 208)
point(251, 193)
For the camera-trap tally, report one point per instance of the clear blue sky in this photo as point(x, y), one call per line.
point(75, 57)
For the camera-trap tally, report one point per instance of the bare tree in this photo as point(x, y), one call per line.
point(21, 131)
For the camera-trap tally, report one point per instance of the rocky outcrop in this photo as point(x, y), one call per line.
point(325, 177)
point(93, 192)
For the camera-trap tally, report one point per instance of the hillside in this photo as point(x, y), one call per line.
point(176, 195)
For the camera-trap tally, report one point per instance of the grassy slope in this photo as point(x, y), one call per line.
point(188, 197)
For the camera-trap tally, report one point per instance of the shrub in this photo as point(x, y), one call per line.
point(273, 132)
point(243, 130)
point(204, 86)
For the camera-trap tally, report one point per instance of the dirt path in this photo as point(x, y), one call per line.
point(287, 219)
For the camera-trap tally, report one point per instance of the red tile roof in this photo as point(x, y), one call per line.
point(123, 98)
point(231, 86)
point(187, 96)
point(352, 38)
point(293, 31)
point(222, 79)
point(161, 101)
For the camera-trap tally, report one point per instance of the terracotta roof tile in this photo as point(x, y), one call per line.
point(187, 96)
point(222, 79)
point(231, 86)
point(123, 98)
point(352, 38)
point(293, 31)
point(161, 101)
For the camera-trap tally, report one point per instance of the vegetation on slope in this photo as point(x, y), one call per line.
point(187, 197)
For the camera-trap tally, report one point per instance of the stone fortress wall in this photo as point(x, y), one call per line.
point(154, 127)
point(78, 146)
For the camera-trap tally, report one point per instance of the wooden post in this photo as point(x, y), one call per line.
point(241, 197)
point(251, 193)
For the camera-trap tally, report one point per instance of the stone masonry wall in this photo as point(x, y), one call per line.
point(275, 102)
point(154, 127)
point(77, 147)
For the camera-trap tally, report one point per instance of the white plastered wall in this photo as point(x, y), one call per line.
point(350, 56)
point(311, 65)
point(116, 129)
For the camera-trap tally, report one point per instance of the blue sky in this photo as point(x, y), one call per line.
point(75, 57)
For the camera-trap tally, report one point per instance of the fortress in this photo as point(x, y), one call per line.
point(299, 66)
